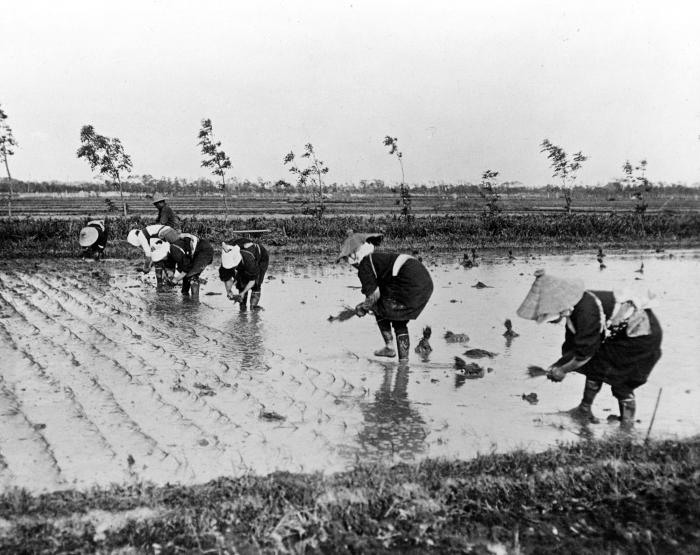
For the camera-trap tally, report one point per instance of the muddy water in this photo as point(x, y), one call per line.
point(106, 380)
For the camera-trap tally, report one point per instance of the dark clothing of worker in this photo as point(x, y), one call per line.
point(191, 255)
point(405, 287)
point(402, 296)
point(622, 356)
point(253, 266)
point(97, 249)
point(166, 216)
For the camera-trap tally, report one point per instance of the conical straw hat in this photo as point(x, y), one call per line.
point(354, 242)
point(550, 295)
point(88, 236)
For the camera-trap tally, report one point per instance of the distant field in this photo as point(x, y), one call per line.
point(278, 205)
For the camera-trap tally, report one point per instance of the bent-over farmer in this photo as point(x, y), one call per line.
point(611, 337)
point(397, 288)
point(189, 256)
point(144, 237)
point(166, 215)
point(243, 264)
point(93, 239)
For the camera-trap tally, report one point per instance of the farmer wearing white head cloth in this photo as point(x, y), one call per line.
point(243, 264)
point(144, 237)
point(397, 288)
point(189, 256)
point(611, 337)
point(93, 239)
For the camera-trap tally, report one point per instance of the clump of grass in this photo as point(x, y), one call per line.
point(596, 496)
point(57, 237)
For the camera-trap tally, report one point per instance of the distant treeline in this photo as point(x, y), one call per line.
point(147, 185)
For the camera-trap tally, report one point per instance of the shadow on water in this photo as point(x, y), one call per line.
point(391, 426)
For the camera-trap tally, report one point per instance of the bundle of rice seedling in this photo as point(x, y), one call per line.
point(345, 314)
point(535, 371)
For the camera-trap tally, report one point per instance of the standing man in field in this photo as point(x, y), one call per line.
point(166, 215)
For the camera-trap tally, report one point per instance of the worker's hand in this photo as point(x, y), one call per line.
point(360, 310)
point(234, 297)
point(555, 374)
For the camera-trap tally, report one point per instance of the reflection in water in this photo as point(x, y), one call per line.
point(248, 330)
point(391, 426)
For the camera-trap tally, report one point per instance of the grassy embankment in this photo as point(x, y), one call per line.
point(613, 496)
point(28, 237)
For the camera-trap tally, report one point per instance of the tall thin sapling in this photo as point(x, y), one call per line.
point(638, 183)
point(563, 168)
point(107, 156)
point(404, 192)
point(312, 177)
point(487, 190)
point(214, 157)
point(7, 144)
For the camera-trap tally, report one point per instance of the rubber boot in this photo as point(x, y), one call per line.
point(159, 276)
point(244, 301)
point(186, 286)
point(583, 412)
point(254, 300)
point(403, 343)
point(627, 409)
point(388, 350)
point(194, 288)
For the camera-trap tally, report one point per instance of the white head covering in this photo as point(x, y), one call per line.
point(159, 250)
point(88, 236)
point(230, 256)
point(133, 238)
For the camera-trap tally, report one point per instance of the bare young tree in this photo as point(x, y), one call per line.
point(563, 168)
point(638, 183)
point(107, 156)
point(311, 177)
point(214, 157)
point(487, 190)
point(7, 145)
point(404, 193)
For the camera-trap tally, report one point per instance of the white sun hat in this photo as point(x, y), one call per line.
point(159, 250)
point(230, 256)
point(88, 236)
point(133, 237)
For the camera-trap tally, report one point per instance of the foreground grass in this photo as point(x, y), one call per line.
point(27, 237)
point(601, 497)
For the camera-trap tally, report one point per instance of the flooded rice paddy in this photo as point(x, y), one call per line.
point(106, 380)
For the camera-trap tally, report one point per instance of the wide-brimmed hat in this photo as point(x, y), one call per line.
point(230, 256)
point(550, 295)
point(159, 250)
point(158, 198)
point(355, 241)
point(88, 236)
point(133, 237)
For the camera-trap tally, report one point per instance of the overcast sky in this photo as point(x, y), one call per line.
point(464, 86)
